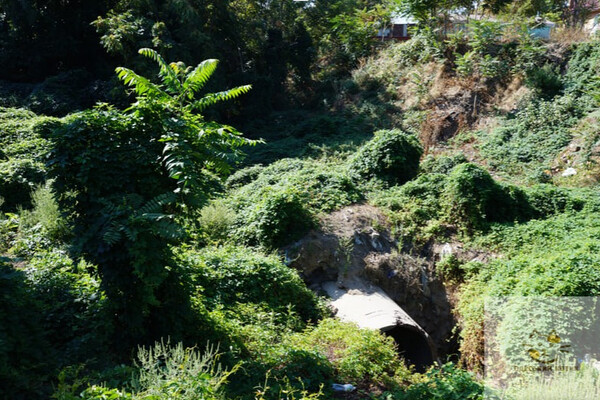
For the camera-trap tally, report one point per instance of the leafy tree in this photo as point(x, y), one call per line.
point(128, 177)
point(354, 33)
point(343, 30)
point(427, 12)
point(39, 38)
point(192, 144)
point(261, 42)
point(527, 8)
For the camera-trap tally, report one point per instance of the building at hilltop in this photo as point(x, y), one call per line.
point(398, 28)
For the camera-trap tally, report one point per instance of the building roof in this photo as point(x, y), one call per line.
point(399, 19)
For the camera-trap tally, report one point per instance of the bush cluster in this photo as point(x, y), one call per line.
point(444, 382)
point(534, 136)
point(22, 156)
point(468, 198)
point(228, 275)
point(582, 70)
point(54, 315)
point(392, 156)
point(277, 204)
point(552, 257)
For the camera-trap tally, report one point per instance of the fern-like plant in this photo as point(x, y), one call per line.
point(192, 144)
point(128, 178)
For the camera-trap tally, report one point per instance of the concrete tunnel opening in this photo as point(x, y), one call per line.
point(413, 346)
point(370, 307)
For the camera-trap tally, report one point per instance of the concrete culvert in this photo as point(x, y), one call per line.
point(370, 307)
point(412, 346)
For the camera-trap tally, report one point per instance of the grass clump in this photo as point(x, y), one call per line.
point(44, 215)
point(179, 373)
point(216, 220)
point(38, 229)
point(170, 372)
point(582, 384)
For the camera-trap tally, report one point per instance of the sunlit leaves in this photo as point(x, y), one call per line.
point(213, 98)
point(191, 144)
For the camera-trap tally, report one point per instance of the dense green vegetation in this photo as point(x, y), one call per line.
point(143, 238)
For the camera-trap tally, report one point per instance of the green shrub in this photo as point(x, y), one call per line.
point(277, 203)
point(534, 136)
point(74, 311)
point(298, 133)
point(471, 197)
point(391, 156)
point(244, 176)
point(450, 268)
point(557, 256)
point(546, 200)
point(325, 186)
point(9, 225)
point(18, 125)
point(331, 351)
point(229, 275)
point(26, 358)
point(285, 387)
point(545, 81)
point(443, 164)
point(444, 382)
point(582, 69)
point(79, 381)
point(359, 356)
point(101, 393)
point(216, 220)
point(414, 207)
point(279, 217)
point(22, 155)
point(55, 315)
point(298, 370)
point(18, 177)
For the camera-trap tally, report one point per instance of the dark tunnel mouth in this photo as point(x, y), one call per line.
point(413, 346)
